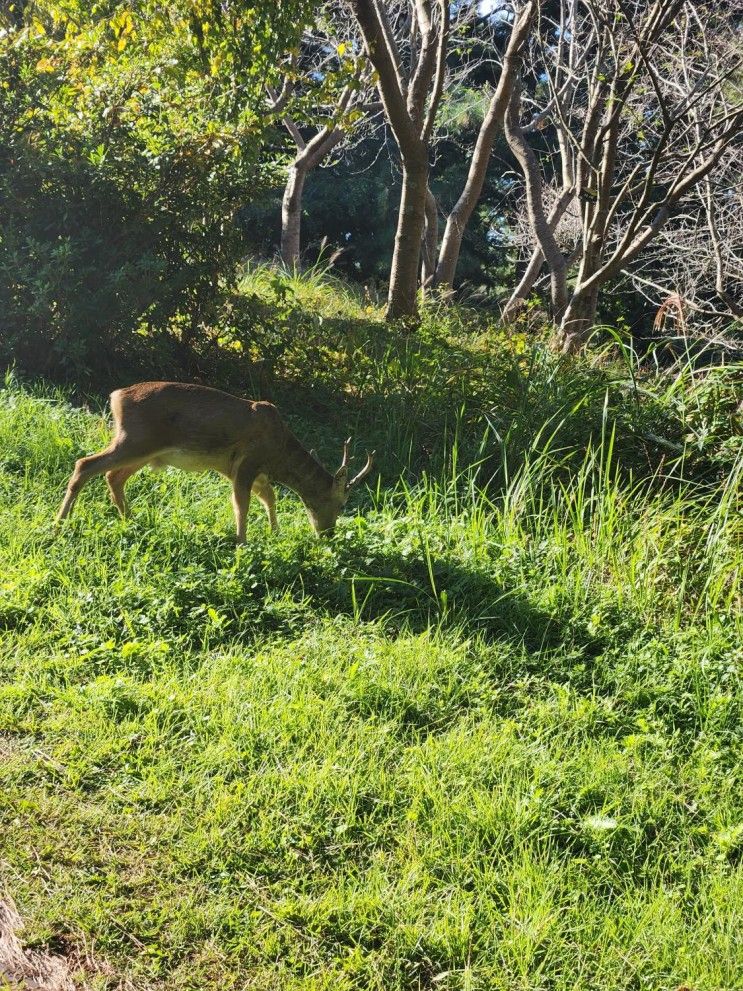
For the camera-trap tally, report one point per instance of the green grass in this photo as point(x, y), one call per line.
point(314, 288)
point(487, 738)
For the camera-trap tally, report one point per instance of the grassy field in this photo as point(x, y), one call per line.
point(489, 737)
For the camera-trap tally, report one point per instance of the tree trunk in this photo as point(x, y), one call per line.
point(430, 243)
point(527, 159)
point(309, 157)
point(291, 216)
point(457, 221)
point(521, 293)
point(578, 320)
point(580, 314)
point(402, 298)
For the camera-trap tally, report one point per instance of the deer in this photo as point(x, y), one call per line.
point(197, 428)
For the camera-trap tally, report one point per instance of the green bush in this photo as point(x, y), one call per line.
point(122, 161)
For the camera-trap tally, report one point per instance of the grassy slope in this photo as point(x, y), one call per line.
point(477, 742)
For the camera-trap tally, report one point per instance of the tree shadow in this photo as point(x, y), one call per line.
point(459, 382)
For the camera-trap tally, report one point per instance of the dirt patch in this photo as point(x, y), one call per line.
point(10, 746)
point(27, 970)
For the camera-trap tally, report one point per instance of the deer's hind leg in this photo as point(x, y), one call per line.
point(115, 456)
point(117, 479)
point(263, 491)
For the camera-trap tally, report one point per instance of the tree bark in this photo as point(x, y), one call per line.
point(402, 299)
point(430, 242)
point(309, 157)
point(526, 158)
point(578, 320)
point(459, 218)
point(291, 215)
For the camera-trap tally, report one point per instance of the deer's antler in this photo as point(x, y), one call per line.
point(346, 446)
point(364, 471)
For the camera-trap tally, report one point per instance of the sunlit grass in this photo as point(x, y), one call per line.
point(312, 287)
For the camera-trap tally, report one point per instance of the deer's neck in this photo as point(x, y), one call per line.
point(302, 472)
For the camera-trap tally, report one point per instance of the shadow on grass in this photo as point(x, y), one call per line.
point(281, 588)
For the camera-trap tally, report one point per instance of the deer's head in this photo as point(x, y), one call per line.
point(326, 509)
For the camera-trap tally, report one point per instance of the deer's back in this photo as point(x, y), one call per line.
point(193, 418)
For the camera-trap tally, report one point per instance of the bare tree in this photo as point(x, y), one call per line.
point(410, 82)
point(698, 256)
point(325, 99)
point(638, 116)
point(492, 124)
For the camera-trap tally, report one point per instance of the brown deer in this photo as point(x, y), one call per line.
point(197, 429)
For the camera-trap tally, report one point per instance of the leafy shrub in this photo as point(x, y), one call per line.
point(122, 162)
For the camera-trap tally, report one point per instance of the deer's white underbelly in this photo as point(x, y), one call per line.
point(191, 461)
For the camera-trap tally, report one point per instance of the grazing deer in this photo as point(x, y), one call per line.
point(197, 429)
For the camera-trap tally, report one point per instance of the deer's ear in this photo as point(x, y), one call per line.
point(341, 477)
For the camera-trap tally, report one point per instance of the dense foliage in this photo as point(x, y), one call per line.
point(126, 150)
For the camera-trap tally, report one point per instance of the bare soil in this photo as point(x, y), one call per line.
point(27, 970)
